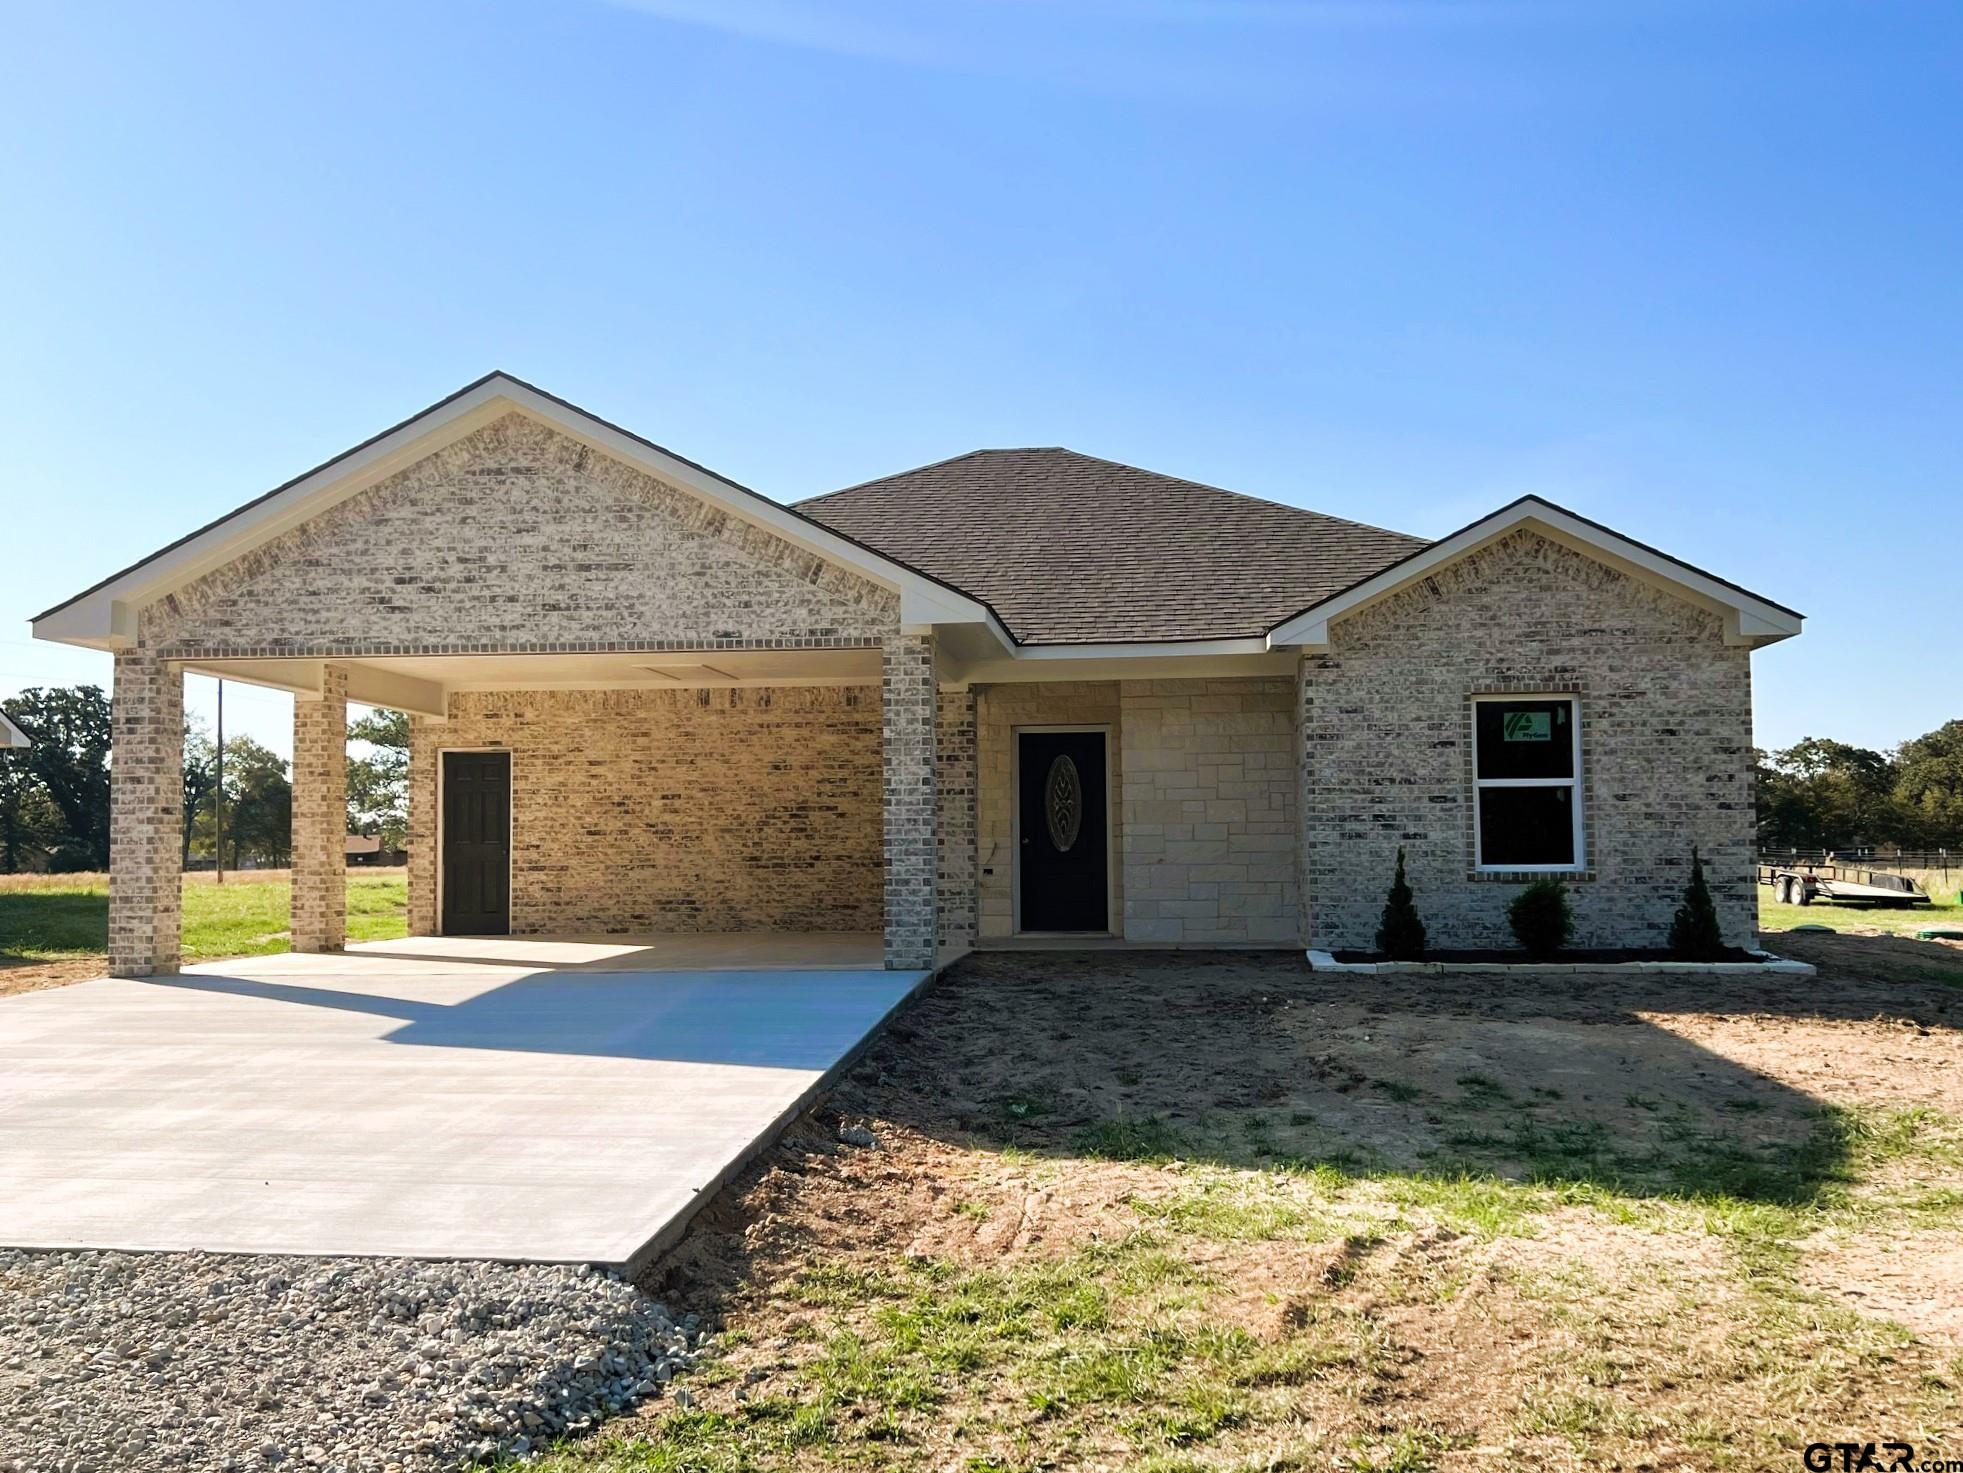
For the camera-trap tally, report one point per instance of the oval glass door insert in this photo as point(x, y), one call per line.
point(1063, 803)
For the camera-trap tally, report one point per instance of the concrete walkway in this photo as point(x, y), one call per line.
point(520, 1099)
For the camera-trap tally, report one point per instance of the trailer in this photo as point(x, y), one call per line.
point(1802, 884)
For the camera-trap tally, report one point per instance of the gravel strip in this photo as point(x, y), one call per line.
point(217, 1361)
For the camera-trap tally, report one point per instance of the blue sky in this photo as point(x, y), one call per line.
point(1689, 268)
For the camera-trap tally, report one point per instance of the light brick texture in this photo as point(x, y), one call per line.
point(1209, 791)
point(320, 815)
point(751, 808)
point(909, 708)
point(517, 538)
point(955, 780)
point(1666, 747)
point(146, 815)
point(1000, 710)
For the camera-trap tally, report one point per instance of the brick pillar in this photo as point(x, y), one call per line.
point(955, 779)
point(146, 815)
point(907, 721)
point(422, 826)
point(1304, 798)
point(320, 815)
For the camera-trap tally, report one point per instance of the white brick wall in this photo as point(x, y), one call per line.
point(1666, 747)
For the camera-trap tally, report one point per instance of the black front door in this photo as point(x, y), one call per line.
point(1061, 831)
point(476, 843)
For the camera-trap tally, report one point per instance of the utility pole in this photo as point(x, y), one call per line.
point(218, 788)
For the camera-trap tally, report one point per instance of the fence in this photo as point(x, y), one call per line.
point(1936, 859)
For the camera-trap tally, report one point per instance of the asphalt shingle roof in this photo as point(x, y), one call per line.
point(1070, 549)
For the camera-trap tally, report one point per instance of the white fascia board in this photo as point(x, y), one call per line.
point(1145, 650)
point(12, 736)
point(1749, 620)
point(104, 617)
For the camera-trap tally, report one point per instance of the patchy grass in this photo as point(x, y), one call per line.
point(1436, 1227)
point(63, 917)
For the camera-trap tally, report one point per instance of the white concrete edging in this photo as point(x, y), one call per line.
point(1768, 966)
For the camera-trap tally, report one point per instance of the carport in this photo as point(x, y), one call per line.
point(511, 1098)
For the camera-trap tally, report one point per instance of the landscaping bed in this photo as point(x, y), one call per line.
point(1185, 1212)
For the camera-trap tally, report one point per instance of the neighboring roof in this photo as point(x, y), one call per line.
point(99, 615)
point(1070, 549)
point(11, 735)
point(1749, 618)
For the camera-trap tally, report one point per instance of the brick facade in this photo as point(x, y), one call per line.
point(1666, 747)
point(1209, 794)
point(146, 815)
point(753, 808)
point(320, 815)
point(1247, 811)
point(517, 538)
point(909, 710)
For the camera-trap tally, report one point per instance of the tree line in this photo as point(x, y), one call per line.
point(1824, 794)
point(54, 795)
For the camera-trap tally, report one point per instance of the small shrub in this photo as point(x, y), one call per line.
point(1541, 917)
point(1401, 935)
point(1695, 935)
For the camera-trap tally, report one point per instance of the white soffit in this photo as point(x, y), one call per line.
point(104, 617)
point(1749, 619)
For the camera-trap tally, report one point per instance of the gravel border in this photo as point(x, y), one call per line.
point(114, 1361)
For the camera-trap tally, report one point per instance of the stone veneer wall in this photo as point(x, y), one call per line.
point(518, 538)
point(1209, 791)
point(999, 709)
point(722, 809)
point(1666, 727)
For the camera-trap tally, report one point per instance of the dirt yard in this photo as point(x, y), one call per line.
point(1211, 1211)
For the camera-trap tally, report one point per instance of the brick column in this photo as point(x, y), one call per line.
point(907, 743)
point(955, 779)
point(422, 825)
point(320, 815)
point(146, 815)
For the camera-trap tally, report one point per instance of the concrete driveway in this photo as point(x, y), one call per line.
point(564, 1101)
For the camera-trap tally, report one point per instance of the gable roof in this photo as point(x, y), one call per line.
point(1749, 618)
point(11, 735)
point(1071, 549)
point(102, 615)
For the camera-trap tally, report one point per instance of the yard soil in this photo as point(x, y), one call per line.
point(18, 975)
point(993, 1099)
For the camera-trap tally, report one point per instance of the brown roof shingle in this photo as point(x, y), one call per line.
point(1070, 549)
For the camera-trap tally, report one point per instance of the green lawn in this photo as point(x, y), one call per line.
point(1905, 922)
point(52, 917)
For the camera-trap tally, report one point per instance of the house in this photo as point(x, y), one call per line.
point(367, 851)
point(1015, 693)
point(12, 738)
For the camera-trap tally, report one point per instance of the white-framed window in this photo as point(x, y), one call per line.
point(1526, 770)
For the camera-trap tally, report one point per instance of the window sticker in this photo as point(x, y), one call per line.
point(1528, 726)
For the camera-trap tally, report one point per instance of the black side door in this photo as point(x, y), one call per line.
point(1061, 831)
point(476, 843)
